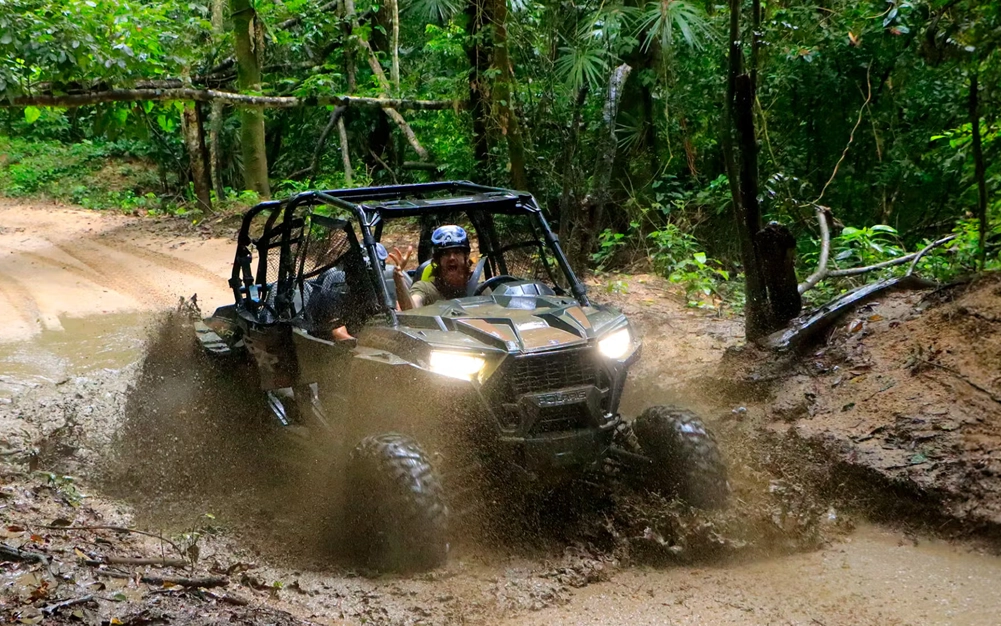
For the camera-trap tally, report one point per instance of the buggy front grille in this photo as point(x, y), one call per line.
point(547, 372)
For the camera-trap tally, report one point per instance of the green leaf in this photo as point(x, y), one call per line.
point(700, 257)
point(883, 228)
point(31, 114)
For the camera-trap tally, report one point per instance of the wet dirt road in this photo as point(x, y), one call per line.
point(79, 287)
point(874, 576)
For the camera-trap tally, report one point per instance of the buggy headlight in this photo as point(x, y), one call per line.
point(455, 364)
point(616, 344)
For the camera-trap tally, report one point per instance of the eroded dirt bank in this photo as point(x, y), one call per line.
point(787, 552)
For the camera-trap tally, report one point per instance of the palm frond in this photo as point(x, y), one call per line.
point(658, 21)
point(434, 11)
point(580, 65)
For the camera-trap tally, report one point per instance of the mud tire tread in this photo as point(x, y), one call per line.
point(396, 505)
point(687, 460)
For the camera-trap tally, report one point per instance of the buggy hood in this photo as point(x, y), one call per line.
point(513, 324)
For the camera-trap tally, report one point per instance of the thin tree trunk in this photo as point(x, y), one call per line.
point(345, 152)
point(608, 147)
point(216, 113)
point(978, 165)
point(479, 64)
point(569, 205)
point(314, 166)
point(248, 70)
point(349, 50)
point(502, 96)
point(394, 43)
point(738, 115)
point(194, 143)
point(584, 220)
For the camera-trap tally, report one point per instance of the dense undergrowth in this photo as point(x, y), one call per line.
point(119, 176)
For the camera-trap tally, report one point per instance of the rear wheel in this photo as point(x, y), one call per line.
point(686, 458)
point(396, 506)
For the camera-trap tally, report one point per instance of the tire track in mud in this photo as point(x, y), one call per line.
point(144, 290)
point(24, 304)
point(163, 259)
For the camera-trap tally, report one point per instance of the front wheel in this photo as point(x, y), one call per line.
point(396, 506)
point(686, 458)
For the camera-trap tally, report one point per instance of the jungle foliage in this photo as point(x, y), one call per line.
point(886, 111)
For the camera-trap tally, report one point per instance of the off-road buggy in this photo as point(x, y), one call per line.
point(518, 383)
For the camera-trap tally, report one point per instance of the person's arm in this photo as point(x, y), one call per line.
point(406, 299)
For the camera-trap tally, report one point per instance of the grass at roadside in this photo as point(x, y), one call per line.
point(104, 176)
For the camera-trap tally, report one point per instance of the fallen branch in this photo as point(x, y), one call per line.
point(10, 553)
point(124, 560)
point(823, 272)
point(52, 608)
point(390, 110)
point(228, 598)
point(825, 252)
point(923, 251)
point(117, 529)
point(386, 167)
point(207, 581)
point(211, 95)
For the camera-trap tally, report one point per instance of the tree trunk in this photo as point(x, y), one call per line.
point(502, 95)
point(583, 221)
point(607, 148)
point(570, 207)
point(345, 152)
point(216, 113)
point(314, 166)
point(194, 143)
point(394, 43)
point(742, 173)
point(479, 64)
point(978, 165)
point(248, 72)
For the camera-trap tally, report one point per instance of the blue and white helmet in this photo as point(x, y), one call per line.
point(449, 236)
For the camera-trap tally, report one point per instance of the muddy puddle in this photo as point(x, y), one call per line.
point(83, 346)
point(780, 556)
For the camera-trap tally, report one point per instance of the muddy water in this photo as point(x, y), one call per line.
point(874, 576)
point(86, 344)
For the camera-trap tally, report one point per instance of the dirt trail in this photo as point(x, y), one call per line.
point(80, 286)
point(57, 262)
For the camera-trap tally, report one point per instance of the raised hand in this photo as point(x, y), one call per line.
point(399, 259)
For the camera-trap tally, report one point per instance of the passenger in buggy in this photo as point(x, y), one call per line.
point(329, 305)
point(450, 270)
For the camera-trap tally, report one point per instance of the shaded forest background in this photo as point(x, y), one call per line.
point(639, 126)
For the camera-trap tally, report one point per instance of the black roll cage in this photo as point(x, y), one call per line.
point(368, 204)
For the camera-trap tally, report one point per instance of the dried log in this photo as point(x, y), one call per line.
point(10, 553)
point(52, 608)
point(802, 332)
point(206, 581)
point(126, 560)
point(117, 529)
point(210, 95)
